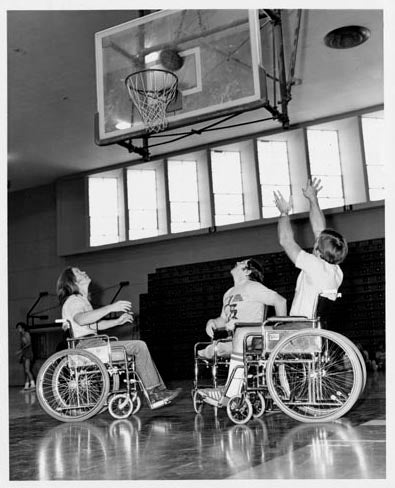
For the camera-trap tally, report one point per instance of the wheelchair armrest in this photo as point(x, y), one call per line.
point(240, 325)
point(287, 318)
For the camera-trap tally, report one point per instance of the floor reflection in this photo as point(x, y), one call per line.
point(176, 443)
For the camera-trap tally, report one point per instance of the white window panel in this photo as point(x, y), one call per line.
point(267, 193)
point(103, 230)
point(103, 210)
point(270, 211)
point(183, 195)
point(226, 172)
point(372, 129)
point(229, 204)
point(323, 152)
point(184, 212)
point(227, 187)
point(376, 176)
point(324, 156)
point(273, 173)
point(376, 193)
point(331, 187)
point(327, 202)
point(183, 185)
point(273, 162)
point(228, 219)
point(143, 223)
point(142, 202)
point(184, 226)
point(142, 189)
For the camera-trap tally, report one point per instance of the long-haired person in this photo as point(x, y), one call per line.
point(72, 290)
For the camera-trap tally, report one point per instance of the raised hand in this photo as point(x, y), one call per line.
point(121, 306)
point(283, 206)
point(125, 318)
point(312, 188)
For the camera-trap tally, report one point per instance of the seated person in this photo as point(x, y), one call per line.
point(72, 291)
point(244, 302)
point(320, 269)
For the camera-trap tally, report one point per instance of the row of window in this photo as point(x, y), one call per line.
point(235, 183)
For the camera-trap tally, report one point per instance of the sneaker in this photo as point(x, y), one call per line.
point(214, 396)
point(27, 387)
point(32, 385)
point(160, 398)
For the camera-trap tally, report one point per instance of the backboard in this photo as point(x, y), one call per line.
point(216, 55)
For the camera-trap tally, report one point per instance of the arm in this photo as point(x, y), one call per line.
point(280, 305)
point(92, 316)
point(284, 229)
point(214, 324)
point(109, 324)
point(317, 218)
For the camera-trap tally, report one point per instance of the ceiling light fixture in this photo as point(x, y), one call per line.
point(347, 37)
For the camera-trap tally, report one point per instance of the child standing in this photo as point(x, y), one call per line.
point(25, 354)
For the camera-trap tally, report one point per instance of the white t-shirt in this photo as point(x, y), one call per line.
point(72, 306)
point(246, 302)
point(317, 276)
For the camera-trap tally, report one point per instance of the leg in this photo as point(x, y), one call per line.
point(237, 361)
point(223, 349)
point(158, 394)
point(28, 373)
point(145, 366)
point(220, 396)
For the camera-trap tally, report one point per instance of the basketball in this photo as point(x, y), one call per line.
point(171, 60)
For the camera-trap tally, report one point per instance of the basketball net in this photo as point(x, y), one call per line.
point(151, 91)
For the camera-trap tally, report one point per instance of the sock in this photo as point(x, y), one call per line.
point(236, 361)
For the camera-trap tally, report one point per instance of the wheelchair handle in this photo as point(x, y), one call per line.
point(289, 319)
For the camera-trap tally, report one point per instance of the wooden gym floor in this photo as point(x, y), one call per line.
point(173, 443)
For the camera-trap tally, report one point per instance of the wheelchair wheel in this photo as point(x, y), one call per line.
point(198, 402)
point(239, 409)
point(314, 375)
point(120, 406)
point(361, 360)
point(72, 385)
point(258, 403)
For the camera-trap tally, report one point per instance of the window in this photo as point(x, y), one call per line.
point(273, 174)
point(142, 203)
point(103, 210)
point(372, 130)
point(324, 158)
point(227, 187)
point(183, 195)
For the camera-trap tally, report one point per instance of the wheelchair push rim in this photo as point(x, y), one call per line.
point(72, 385)
point(314, 375)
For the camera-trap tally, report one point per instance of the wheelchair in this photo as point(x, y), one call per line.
point(293, 364)
point(87, 378)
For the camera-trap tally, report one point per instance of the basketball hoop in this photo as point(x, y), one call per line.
point(151, 91)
